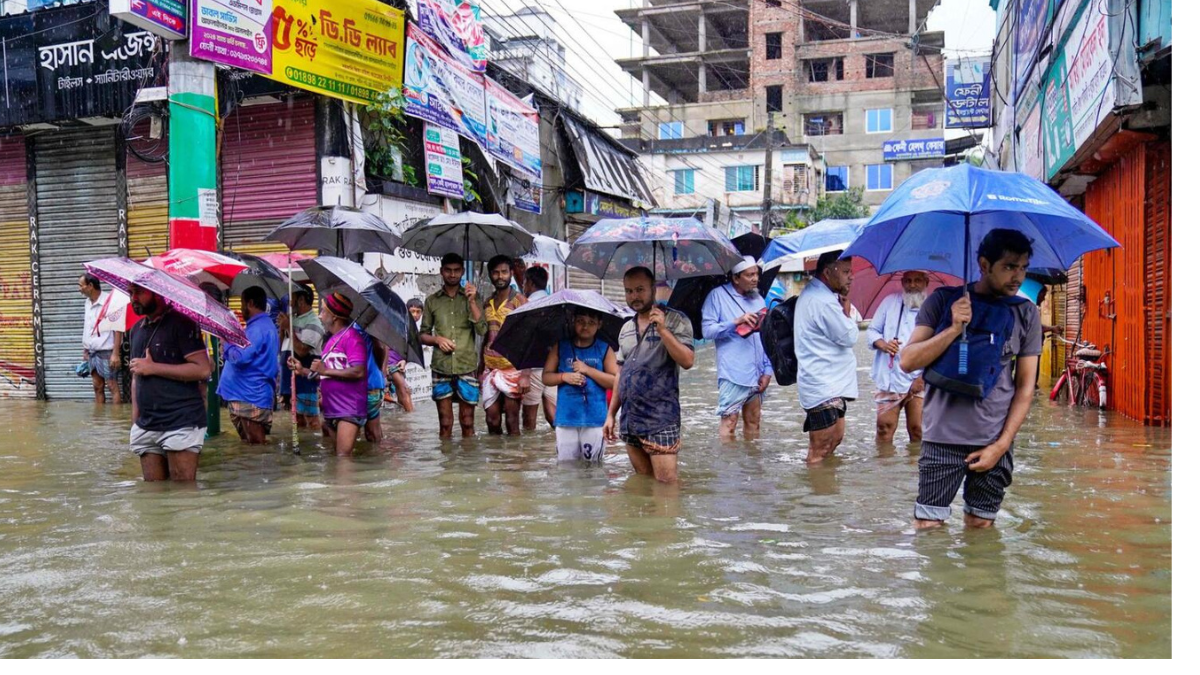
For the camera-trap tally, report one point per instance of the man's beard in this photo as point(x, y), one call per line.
point(146, 309)
point(914, 300)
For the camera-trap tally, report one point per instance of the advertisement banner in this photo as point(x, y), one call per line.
point(164, 18)
point(526, 192)
point(233, 32)
point(1029, 136)
point(512, 130)
point(1031, 22)
point(968, 93)
point(443, 162)
point(917, 148)
point(1078, 91)
point(441, 91)
point(1058, 140)
point(456, 25)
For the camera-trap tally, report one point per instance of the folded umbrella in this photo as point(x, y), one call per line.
point(672, 248)
point(185, 296)
point(474, 236)
point(336, 230)
point(377, 308)
point(532, 329)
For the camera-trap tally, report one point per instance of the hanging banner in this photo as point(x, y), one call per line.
point(968, 93)
point(1029, 134)
point(456, 26)
point(525, 192)
point(441, 91)
point(164, 18)
point(1031, 23)
point(443, 162)
point(512, 130)
point(917, 148)
point(233, 32)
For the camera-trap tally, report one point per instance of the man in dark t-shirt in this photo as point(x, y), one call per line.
point(967, 439)
point(168, 361)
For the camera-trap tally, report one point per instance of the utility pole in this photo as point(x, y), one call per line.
point(766, 206)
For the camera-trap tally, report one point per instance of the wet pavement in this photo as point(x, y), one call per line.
point(419, 548)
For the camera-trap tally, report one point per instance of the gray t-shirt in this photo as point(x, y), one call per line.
point(649, 383)
point(962, 420)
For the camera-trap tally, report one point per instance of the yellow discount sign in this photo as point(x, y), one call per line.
point(349, 49)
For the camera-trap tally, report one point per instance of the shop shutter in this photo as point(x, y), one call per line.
point(17, 377)
point(147, 203)
point(576, 278)
point(268, 171)
point(1158, 283)
point(77, 221)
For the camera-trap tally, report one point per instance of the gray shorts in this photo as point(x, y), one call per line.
point(188, 439)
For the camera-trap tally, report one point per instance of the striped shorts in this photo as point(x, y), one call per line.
point(942, 468)
point(665, 442)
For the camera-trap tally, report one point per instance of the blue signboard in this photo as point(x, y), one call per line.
point(917, 148)
point(968, 93)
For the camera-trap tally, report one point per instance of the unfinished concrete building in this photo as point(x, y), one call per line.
point(853, 78)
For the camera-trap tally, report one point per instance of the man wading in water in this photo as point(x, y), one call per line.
point(451, 321)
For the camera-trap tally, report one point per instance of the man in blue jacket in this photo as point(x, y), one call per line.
point(249, 379)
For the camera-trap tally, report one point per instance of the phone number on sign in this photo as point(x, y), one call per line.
point(330, 85)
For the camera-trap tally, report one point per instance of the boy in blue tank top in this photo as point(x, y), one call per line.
point(583, 368)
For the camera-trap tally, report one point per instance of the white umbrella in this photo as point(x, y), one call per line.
point(548, 250)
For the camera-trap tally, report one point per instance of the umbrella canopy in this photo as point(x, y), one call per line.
point(337, 230)
point(532, 329)
point(280, 261)
point(820, 237)
point(689, 294)
point(474, 236)
point(672, 248)
point(870, 288)
point(199, 266)
point(261, 273)
point(936, 219)
point(548, 250)
point(185, 296)
point(377, 308)
point(116, 315)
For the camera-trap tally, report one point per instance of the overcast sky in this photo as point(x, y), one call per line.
point(594, 36)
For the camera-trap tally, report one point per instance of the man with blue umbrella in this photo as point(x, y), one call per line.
point(969, 438)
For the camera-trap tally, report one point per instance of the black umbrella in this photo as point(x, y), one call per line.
point(532, 329)
point(690, 293)
point(260, 273)
point(377, 308)
point(474, 236)
point(336, 230)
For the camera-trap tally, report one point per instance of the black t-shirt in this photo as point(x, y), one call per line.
point(165, 404)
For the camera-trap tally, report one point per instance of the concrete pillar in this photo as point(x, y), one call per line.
point(702, 33)
point(645, 37)
point(703, 77)
point(853, 19)
point(645, 86)
point(912, 17)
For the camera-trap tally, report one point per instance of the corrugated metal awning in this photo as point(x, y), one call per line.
point(606, 166)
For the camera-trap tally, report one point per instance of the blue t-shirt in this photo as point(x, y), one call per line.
point(375, 379)
point(586, 405)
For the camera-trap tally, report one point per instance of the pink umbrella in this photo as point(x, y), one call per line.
point(869, 288)
point(282, 261)
point(186, 297)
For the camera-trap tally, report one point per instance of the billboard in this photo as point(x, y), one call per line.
point(512, 130)
point(442, 91)
point(234, 33)
point(917, 148)
point(456, 25)
point(968, 93)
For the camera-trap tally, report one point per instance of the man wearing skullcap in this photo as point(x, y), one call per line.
point(730, 317)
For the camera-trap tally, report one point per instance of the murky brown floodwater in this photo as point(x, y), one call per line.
point(488, 548)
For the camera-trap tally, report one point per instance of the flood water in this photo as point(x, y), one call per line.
point(420, 548)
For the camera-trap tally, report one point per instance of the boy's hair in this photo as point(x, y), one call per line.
point(1000, 241)
point(452, 259)
point(537, 277)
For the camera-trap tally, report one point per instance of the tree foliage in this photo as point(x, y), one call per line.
point(840, 205)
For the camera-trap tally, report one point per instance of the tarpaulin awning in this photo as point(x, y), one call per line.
point(605, 165)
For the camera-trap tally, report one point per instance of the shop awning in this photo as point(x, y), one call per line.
point(606, 166)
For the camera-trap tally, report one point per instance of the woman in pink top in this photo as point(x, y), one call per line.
point(342, 369)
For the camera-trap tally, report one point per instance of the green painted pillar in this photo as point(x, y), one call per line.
point(192, 170)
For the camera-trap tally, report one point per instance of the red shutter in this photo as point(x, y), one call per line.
point(1158, 283)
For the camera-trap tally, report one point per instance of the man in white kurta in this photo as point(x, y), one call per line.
point(897, 390)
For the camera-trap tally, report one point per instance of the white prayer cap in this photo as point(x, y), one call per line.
point(747, 262)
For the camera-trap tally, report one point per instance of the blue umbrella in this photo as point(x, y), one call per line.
point(936, 219)
point(827, 235)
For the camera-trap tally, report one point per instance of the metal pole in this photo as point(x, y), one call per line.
point(767, 175)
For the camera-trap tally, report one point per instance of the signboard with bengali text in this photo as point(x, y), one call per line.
point(443, 162)
point(917, 148)
point(164, 18)
point(440, 90)
point(233, 32)
point(512, 130)
point(968, 93)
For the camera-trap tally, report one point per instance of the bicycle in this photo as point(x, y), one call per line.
point(1085, 377)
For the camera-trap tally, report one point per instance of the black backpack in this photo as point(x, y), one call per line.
point(777, 340)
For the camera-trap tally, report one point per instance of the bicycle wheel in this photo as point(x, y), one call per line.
point(1090, 393)
point(1060, 387)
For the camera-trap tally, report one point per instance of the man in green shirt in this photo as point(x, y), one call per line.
point(452, 320)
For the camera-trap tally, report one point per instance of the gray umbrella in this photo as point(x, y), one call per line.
point(474, 236)
point(377, 308)
point(336, 230)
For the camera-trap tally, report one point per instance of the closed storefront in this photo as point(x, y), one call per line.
point(77, 221)
point(17, 376)
point(268, 171)
point(1158, 283)
point(147, 203)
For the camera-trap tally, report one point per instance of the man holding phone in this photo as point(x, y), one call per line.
point(730, 317)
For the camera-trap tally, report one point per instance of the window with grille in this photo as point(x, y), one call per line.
point(881, 65)
point(823, 124)
point(774, 46)
point(795, 179)
point(741, 178)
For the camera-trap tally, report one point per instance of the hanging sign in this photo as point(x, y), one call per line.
point(456, 26)
point(164, 18)
point(525, 192)
point(968, 93)
point(234, 32)
point(443, 162)
point(512, 130)
point(439, 90)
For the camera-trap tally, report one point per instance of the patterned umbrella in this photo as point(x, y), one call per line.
point(186, 297)
point(338, 230)
point(531, 329)
point(673, 248)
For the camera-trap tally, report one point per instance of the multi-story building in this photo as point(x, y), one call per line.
point(843, 76)
point(524, 44)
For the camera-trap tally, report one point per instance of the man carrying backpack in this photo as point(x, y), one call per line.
point(972, 419)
